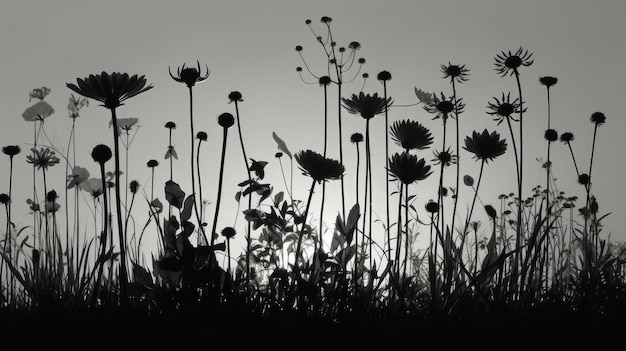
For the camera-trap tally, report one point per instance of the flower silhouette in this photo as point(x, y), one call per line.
point(504, 108)
point(508, 63)
point(457, 73)
point(125, 124)
point(319, 167)
point(11, 150)
point(110, 89)
point(406, 168)
point(43, 158)
point(38, 112)
point(79, 175)
point(548, 81)
point(485, 146)
point(75, 105)
point(93, 186)
point(411, 135)
point(366, 105)
point(441, 106)
point(190, 75)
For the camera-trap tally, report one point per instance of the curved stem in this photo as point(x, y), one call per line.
point(245, 160)
point(219, 187)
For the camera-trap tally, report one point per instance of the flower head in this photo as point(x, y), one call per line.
point(190, 75)
point(432, 206)
point(508, 63)
point(38, 111)
point(384, 76)
point(456, 73)
point(39, 93)
point(170, 125)
point(504, 108)
point(79, 175)
point(11, 150)
point(74, 106)
point(598, 118)
point(101, 153)
point(318, 167)
point(551, 135)
point(548, 81)
point(442, 107)
point(356, 138)
point(229, 232)
point(406, 168)
point(485, 146)
point(43, 158)
point(324, 81)
point(235, 96)
point(444, 157)
point(366, 105)
point(134, 186)
point(110, 89)
point(566, 137)
point(152, 163)
point(202, 136)
point(226, 120)
point(411, 135)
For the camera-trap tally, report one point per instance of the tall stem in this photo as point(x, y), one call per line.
point(120, 224)
point(193, 170)
point(245, 160)
point(219, 187)
point(387, 229)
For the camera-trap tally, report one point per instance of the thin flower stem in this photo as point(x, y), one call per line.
point(548, 208)
point(299, 246)
point(219, 187)
point(193, 170)
point(458, 163)
point(94, 296)
point(387, 228)
point(521, 163)
point(406, 231)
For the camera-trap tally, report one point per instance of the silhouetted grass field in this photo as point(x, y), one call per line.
point(544, 267)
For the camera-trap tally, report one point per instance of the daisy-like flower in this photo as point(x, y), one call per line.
point(110, 89)
point(548, 81)
point(504, 108)
point(406, 168)
point(441, 107)
point(508, 63)
point(11, 150)
point(43, 158)
point(367, 105)
point(190, 75)
point(485, 146)
point(411, 135)
point(444, 157)
point(318, 167)
point(74, 106)
point(38, 111)
point(79, 175)
point(456, 73)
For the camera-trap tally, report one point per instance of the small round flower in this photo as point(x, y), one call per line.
point(583, 179)
point(278, 154)
point(384, 76)
point(170, 125)
point(508, 63)
point(152, 163)
point(298, 48)
point(444, 158)
point(366, 105)
point(326, 19)
point(298, 69)
point(51, 196)
point(406, 168)
point(43, 158)
point(361, 61)
point(324, 81)
point(134, 186)
point(457, 73)
point(504, 108)
point(551, 135)
point(548, 81)
point(229, 232)
point(432, 207)
point(4, 199)
point(308, 21)
point(355, 45)
point(318, 167)
point(485, 146)
point(202, 136)
point(11, 150)
point(226, 120)
point(356, 138)
point(190, 75)
point(235, 96)
point(567, 137)
point(101, 153)
point(411, 135)
point(598, 118)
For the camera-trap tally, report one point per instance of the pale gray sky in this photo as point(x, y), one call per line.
point(249, 47)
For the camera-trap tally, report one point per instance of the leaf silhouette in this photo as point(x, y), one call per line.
point(173, 194)
point(281, 145)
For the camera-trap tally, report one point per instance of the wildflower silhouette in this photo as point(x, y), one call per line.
point(411, 135)
point(384, 77)
point(190, 76)
point(112, 90)
point(228, 233)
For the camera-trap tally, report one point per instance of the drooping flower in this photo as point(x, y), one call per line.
point(38, 111)
point(110, 89)
point(43, 158)
point(367, 105)
point(504, 108)
point(406, 168)
point(485, 146)
point(457, 73)
point(74, 106)
point(190, 75)
point(508, 63)
point(411, 135)
point(318, 167)
point(79, 175)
